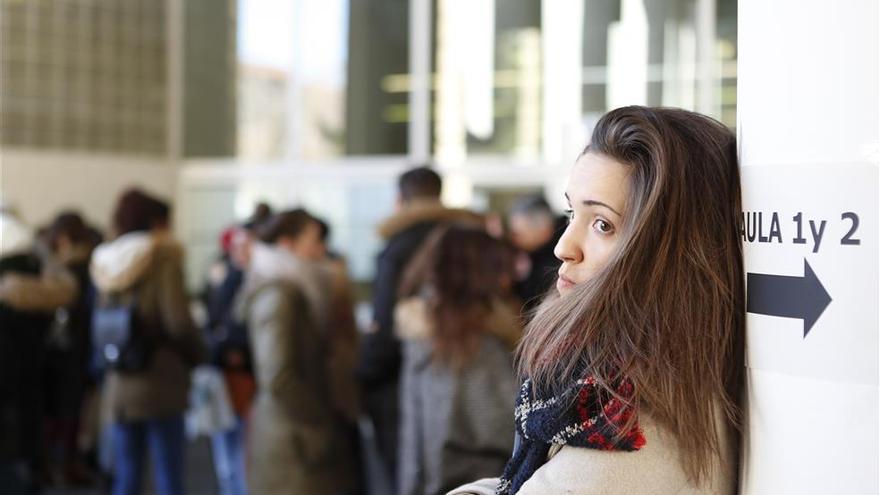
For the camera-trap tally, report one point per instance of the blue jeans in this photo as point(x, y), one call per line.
point(164, 437)
point(228, 447)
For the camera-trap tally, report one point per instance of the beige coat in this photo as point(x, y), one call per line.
point(153, 265)
point(55, 287)
point(654, 470)
point(296, 443)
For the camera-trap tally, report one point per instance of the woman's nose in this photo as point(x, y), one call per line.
point(567, 250)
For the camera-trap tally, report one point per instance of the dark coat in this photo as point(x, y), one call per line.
point(22, 354)
point(225, 332)
point(543, 273)
point(69, 349)
point(405, 233)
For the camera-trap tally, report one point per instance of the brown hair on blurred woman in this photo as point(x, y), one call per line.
point(458, 332)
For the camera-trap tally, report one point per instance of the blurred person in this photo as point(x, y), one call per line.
point(344, 348)
point(146, 391)
point(458, 386)
point(31, 289)
point(231, 355)
point(343, 330)
point(297, 441)
point(69, 347)
point(633, 372)
point(419, 211)
point(534, 229)
point(262, 212)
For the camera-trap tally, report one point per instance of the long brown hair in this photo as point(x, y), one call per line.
point(460, 271)
point(667, 311)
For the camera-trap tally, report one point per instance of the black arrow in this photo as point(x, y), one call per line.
point(788, 297)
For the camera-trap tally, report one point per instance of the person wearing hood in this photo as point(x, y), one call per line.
point(419, 211)
point(143, 265)
point(44, 284)
point(296, 439)
point(458, 386)
point(31, 288)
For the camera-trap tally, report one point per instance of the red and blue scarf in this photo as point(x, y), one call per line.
point(584, 415)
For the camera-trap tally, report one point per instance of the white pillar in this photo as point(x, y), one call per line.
point(809, 134)
point(420, 48)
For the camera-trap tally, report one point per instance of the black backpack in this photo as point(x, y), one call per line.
point(119, 338)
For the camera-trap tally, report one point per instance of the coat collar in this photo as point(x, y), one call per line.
point(421, 211)
point(412, 321)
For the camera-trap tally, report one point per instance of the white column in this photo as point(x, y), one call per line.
point(420, 47)
point(562, 54)
point(809, 136)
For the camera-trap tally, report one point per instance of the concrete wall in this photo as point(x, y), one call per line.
point(40, 184)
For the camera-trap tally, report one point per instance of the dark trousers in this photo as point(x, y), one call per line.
point(164, 438)
point(381, 405)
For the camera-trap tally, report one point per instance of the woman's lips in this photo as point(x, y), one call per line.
point(564, 283)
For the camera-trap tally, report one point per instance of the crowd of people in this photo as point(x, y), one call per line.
point(598, 353)
point(431, 378)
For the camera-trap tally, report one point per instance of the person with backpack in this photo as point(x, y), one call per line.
point(297, 439)
point(146, 339)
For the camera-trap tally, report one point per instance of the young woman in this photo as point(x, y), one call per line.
point(143, 267)
point(631, 375)
point(458, 331)
point(297, 441)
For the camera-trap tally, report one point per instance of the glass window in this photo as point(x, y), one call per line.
point(319, 79)
point(527, 79)
point(84, 75)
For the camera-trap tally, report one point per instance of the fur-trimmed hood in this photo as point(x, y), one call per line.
point(421, 211)
point(119, 264)
point(413, 323)
point(15, 237)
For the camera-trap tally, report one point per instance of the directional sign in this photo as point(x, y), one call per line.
point(810, 253)
point(789, 297)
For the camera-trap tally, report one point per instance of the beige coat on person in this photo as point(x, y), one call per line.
point(297, 443)
point(653, 470)
point(150, 264)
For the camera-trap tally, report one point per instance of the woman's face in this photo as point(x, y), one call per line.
point(597, 190)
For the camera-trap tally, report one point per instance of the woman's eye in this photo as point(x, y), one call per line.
point(570, 215)
point(603, 227)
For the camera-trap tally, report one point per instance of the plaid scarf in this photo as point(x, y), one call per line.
point(584, 415)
